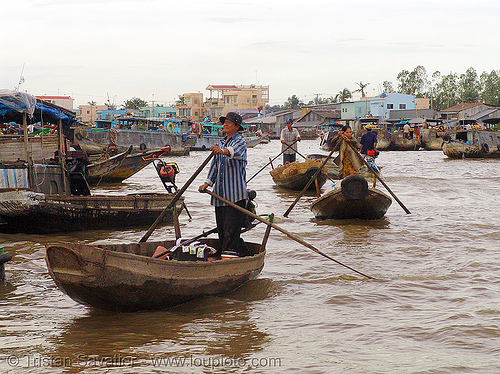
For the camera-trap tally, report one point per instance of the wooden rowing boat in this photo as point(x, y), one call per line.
point(296, 175)
point(99, 169)
point(31, 212)
point(125, 277)
point(297, 182)
point(354, 199)
point(133, 164)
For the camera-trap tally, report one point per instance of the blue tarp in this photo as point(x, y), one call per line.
point(14, 103)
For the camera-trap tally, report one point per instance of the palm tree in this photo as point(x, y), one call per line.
point(343, 96)
point(180, 100)
point(361, 88)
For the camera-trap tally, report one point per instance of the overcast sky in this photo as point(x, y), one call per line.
point(159, 49)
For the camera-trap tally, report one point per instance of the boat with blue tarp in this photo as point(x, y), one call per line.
point(43, 186)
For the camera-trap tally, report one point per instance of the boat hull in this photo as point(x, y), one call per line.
point(205, 142)
point(383, 144)
point(131, 165)
point(399, 143)
point(297, 182)
point(462, 150)
point(125, 277)
point(472, 144)
point(142, 140)
point(99, 169)
point(36, 213)
point(334, 205)
point(252, 141)
point(431, 139)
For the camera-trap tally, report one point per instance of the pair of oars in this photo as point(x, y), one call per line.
point(310, 181)
point(289, 234)
point(371, 168)
point(179, 193)
point(271, 161)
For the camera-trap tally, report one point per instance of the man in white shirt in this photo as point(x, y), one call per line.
point(288, 136)
point(406, 131)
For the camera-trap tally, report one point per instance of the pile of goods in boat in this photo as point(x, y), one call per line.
point(192, 252)
point(285, 171)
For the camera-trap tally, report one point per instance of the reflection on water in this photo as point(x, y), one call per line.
point(209, 327)
point(435, 308)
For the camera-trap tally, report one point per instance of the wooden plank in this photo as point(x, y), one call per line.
point(42, 148)
point(14, 178)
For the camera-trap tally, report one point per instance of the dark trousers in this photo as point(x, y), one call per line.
point(289, 157)
point(229, 223)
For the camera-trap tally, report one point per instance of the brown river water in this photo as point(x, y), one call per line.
point(434, 308)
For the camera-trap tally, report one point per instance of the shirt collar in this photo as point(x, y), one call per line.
point(233, 136)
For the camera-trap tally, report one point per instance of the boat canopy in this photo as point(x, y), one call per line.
point(13, 104)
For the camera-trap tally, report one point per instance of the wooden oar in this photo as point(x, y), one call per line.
point(290, 235)
point(380, 179)
point(310, 181)
point(176, 197)
point(271, 161)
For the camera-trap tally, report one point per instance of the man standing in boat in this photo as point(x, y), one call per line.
point(368, 142)
point(289, 135)
point(227, 175)
point(406, 131)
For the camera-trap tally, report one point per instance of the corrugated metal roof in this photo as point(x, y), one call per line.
point(459, 107)
point(481, 115)
point(221, 87)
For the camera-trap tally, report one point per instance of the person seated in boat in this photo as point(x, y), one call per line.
point(227, 175)
point(289, 135)
point(368, 142)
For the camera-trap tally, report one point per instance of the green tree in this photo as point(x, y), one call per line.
point(135, 103)
point(273, 108)
point(445, 91)
point(387, 87)
point(490, 87)
point(318, 100)
point(343, 96)
point(180, 100)
point(469, 87)
point(293, 102)
point(361, 88)
point(413, 83)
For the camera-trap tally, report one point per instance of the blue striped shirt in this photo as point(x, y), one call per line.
point(227, 174)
